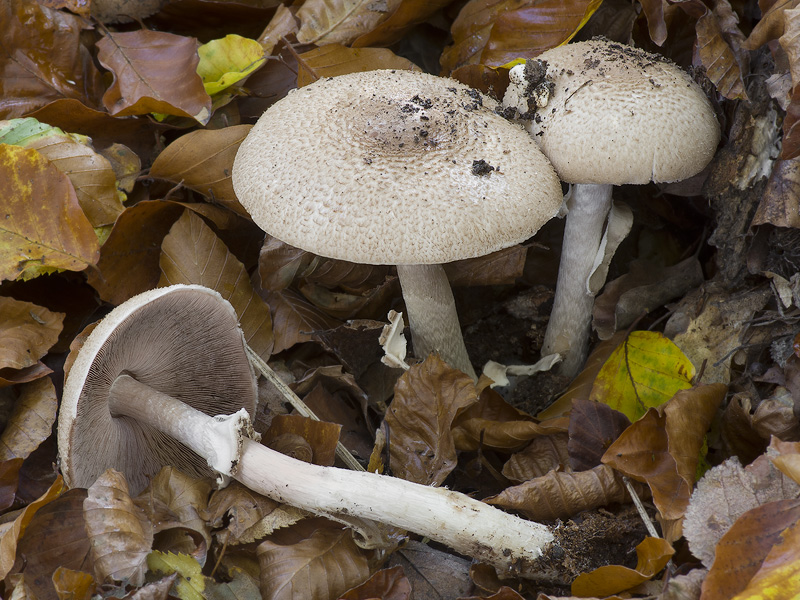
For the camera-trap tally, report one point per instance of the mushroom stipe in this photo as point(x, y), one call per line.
point(129, 404)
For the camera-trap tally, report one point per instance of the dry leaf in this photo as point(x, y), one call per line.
point(386, 584)
point(120, 534)
point(192, 253)
point(294, 319)
point(282, 24)
point(560, 495)
point(56, 235)
point(32, 420)
point(593, 427)
point(418, 421)
point(28, 332)
point(334, 59)
point(430, 571)
point(503, 267)
point(724, 494)
point(544, 454)
point(325, 22)
point(786, 456)
point(202, 160)
point(154, 72)
point(779, 575)
point(314, 559)
point(406, 14)
point(73, 585)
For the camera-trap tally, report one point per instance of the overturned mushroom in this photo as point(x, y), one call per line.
point(397, 167)
point(154, 384)
point(605, 114)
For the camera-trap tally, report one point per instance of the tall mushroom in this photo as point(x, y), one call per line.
point(605, 114)
point(397, 167)
point(154, 384)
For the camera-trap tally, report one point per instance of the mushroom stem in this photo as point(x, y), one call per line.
point(432, 315)
point(568, 329)
point(466, 525)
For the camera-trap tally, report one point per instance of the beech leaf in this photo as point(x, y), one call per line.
point(779, 575)
point(192, 253)
point(154, 72)
point(227, 61)
point(202, 160)
point(120, 534)
point(644, 371)
point(190, 583)
point(295, 319)
point(31, 421)
point(334, 59)
point(28, 331)
point(325, 22)
point(55, 235)
point(418, 421)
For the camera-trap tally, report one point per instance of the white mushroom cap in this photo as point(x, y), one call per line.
point(617, 115)
point(393, 167)
point(182, 340)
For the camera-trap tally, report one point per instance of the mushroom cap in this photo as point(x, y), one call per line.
point(393, 167)
point(182, 340)
point(617, 115)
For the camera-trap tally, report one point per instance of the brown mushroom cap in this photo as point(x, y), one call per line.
point(393, 167)
point(182, 340)
point(620, 115)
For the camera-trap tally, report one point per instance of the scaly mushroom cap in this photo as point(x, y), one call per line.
point(182, 340)
point(393, 167)
point(615, 114)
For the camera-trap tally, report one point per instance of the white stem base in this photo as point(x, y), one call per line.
point(432, 315)
point(568, 329)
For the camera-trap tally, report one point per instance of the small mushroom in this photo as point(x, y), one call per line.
point(613, 115)
point(164, 379)
point(397, 167)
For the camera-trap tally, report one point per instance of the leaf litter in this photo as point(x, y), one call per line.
point(122, 183)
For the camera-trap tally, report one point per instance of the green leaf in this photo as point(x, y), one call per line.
point(645, 371)
point(191, 583)
point(227, 61)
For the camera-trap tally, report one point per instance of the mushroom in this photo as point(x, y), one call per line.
point(164, 379)
point(605, 114)
point(397, 167)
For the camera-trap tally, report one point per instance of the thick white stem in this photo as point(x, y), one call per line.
point(568, 330)
point(466, 525)
point(432, 315)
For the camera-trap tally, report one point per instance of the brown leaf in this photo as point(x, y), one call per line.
point(28, 331)
point(129, 258)
point(503, 267)
point(663, 447)
point(653, 554)
point(559, 495)
point(33, 74)
point(777, 578)
point(430, 571)
point(13, 377)
point(736, 428)
point(31, 421)
point(720, 48)
point(419, 419)
point(279, 264)
point(9, 537)
point(645, 287)
point(775, 416)
point(771, 26)
point(791, 128)
point(321, 437)
point(90, 173)
point(743, 548)
point(494, 33)
point(406, 14)
point(325, 22)
point(386, 584)
point(780, 204)
point(593, 427)
point(725, 493)
point(192, 253)
point(314, 559)
point(56, 235)
point(120, 534)
point(72, 585)
point(9, 481)
point(334, 59)
point(786, 456)
point(202, 160)
point(544, 454)
point(492, 422)
point(656, 26)
point(154, 72)
point(294, 319)
point(282, 24)
point(70, 115)
point(55, 539)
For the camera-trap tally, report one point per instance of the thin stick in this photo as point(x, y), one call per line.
point(301, 407)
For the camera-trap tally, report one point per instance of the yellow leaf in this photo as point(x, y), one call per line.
point(226, 61)
point(779, 575)
point(191, 583)
point(653, 555)
point(645, 371)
